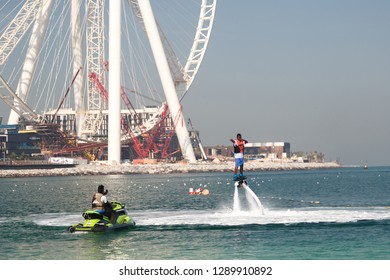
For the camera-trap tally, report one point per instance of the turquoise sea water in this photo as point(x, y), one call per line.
point(327, 214)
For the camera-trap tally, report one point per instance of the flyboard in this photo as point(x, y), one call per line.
point(253, 200)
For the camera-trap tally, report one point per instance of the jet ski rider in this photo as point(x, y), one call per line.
point(100, 202)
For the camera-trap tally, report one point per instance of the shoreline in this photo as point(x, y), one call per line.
point(160, 168)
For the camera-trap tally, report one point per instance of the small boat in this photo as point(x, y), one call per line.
point(199, 191)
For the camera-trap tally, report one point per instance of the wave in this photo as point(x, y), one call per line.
point(275, 216)
point(223, 217)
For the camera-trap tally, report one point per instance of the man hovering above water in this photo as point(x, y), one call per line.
point(238, 146)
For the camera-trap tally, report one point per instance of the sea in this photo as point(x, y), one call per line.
point(321, 214)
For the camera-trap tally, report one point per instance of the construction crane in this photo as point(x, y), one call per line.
point(65, 95)
point(149, 144)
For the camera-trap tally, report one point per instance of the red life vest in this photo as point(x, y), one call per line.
point(239, 146)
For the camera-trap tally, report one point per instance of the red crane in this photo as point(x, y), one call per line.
point(149, 143)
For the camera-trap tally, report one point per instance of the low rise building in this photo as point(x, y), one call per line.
point(258, 150)
point(15, 142)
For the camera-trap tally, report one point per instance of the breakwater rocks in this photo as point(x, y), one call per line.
point(161, 168)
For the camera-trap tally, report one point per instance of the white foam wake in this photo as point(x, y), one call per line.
point(275, 216)
point(252, 200)
point(228, 217)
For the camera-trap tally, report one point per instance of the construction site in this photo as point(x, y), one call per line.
point(35, 140)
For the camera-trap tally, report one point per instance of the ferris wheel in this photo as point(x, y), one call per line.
point(54, 58)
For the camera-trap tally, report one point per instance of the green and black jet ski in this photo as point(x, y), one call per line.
point(98, 222)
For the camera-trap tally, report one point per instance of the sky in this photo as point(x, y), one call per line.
point(311, 73)
point(315, 74)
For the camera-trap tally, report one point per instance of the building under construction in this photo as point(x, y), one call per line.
point(55, 136)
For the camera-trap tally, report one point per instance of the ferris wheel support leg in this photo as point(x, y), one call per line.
point(166, 80)
point(34, 47)
point(114, 124)
point(77, 63)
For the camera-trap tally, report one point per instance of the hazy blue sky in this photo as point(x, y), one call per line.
point(312, 73)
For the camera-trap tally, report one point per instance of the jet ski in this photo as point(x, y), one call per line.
point(94, 221)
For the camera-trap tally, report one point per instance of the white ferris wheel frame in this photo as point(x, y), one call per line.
point(90, 118)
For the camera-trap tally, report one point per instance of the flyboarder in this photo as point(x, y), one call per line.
point(238, 146)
